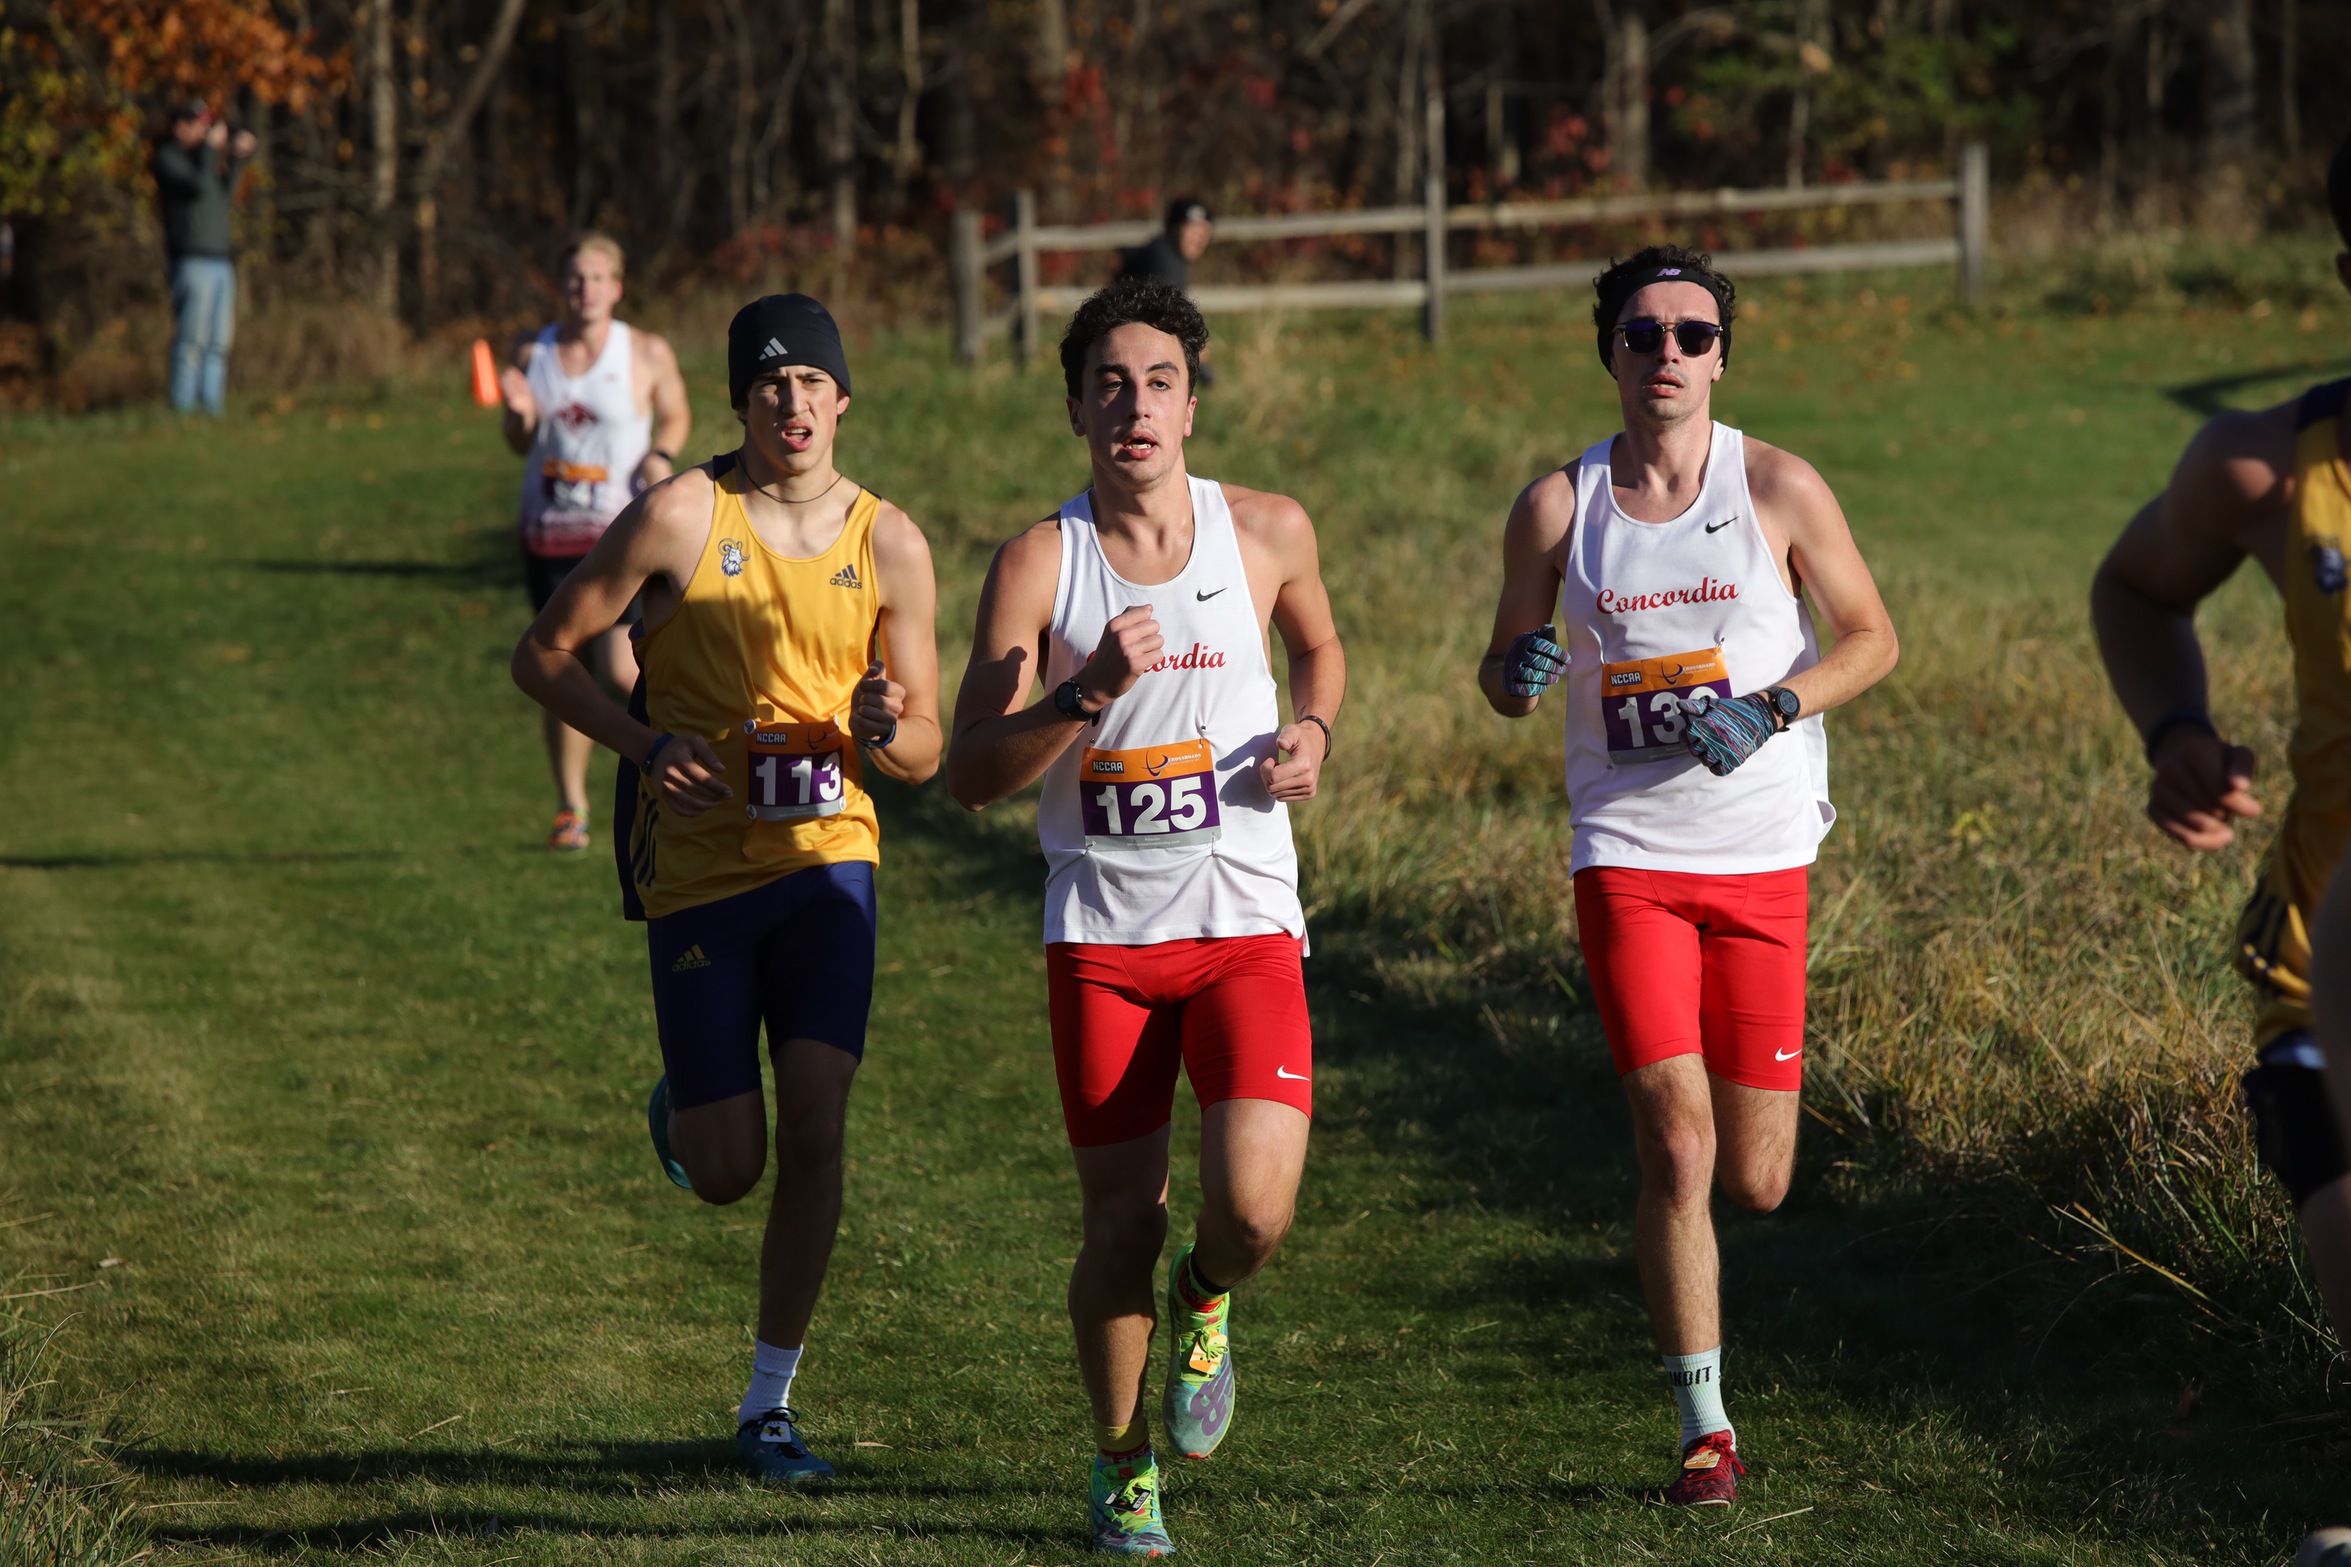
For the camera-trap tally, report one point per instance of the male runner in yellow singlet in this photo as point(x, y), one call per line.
point(597, 410)
point(2276, 486)
point(787, 646)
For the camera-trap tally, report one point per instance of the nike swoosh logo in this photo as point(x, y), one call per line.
point(1787, 1055)
point(1205, 597)
point(1283, 1071)
point(1717, 527)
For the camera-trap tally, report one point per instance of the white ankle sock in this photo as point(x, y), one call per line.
point(1696, 1381)
point(772, 1370)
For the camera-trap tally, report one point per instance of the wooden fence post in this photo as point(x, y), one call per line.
point(1024, 259)
point(1432, 316)
point(1975, 219)
point(963, 260)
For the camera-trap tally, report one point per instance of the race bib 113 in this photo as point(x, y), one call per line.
point(1156, 797)
point(1642, 700)
point(795, 770)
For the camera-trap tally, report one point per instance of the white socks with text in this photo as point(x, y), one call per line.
point(771, 1381)
point(1697, 1390)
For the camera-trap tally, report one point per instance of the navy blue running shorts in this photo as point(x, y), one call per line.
point(796, 954)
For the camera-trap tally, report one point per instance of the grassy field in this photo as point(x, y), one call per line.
point(320, 1083)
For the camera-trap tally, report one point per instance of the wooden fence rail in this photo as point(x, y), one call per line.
point(1026, 240)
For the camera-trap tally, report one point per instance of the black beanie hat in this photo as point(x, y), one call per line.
point(782, 329)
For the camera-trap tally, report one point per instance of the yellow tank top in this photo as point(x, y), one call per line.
point(761, 658)
point(2273, 947)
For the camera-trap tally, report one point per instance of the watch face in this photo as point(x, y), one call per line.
point(1786, 701)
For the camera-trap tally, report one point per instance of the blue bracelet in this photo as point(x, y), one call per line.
point(659, 741)
point(884, 741)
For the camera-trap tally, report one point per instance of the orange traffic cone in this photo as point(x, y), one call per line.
point(485, 375)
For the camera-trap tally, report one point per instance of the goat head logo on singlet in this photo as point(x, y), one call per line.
point(730, 557)
point(2326, 567)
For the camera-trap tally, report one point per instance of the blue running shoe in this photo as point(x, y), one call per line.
point(1123, 1502)
point(657, 1122)
point(773, 1452)
point(1197, 1406)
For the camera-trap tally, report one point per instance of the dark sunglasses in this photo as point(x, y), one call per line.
point(1694, 338)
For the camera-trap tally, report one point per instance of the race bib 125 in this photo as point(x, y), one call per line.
point(1642, 699)
point(1156, 797)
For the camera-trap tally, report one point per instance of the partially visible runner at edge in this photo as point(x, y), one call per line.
point(1697, 779)
point(2330, 1025)
point(1173, 931)
point(787, 647)
point(2274, 486)
point(598, 412)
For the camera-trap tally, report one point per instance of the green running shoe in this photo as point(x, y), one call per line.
point(1197, 1404)
point(657, 1122)
point(1124, 1502)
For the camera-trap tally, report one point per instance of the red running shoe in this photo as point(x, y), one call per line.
point(1710, 1473)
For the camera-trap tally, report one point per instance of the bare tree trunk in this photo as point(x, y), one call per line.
point(909, 160)
point(384, 189)
point(1049, 65)
point(959, 139)
point(840, 150)
point(2229, 80)
point(2109, 130)
point(1501, 59)
point(1416, 22)
point(443, 137)
point(2289, 67)
point(1811, 59)
point(665, 95)
point(745, 106)
point(1629, 142)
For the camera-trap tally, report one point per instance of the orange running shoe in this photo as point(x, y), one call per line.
point(570, 831)
point(1710, 1473)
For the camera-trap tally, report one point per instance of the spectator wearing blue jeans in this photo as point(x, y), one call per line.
point(196, 171)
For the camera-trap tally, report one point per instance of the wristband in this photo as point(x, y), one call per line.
point(659, 741)
point(1309, 718)
point(2193, 717)
point(883, 742)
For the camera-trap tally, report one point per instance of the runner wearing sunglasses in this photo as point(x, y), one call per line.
point(1697, 777)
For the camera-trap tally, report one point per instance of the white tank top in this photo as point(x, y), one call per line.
point(583, 460)
point(1659, 614)
point(1155, 823)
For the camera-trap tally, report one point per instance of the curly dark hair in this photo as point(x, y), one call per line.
point(1628, 277)
point(1133, 302)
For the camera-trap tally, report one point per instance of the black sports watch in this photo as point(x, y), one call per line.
point(1786, 703)
point(1070, 702)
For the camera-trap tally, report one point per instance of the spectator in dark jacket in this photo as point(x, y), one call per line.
point(1167, 256)
point(196, 171)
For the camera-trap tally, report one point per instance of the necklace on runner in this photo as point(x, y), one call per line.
point(786, 500)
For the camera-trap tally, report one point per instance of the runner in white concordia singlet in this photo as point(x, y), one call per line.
point(1173, 931)
point(1679, 555)
point(598, 412)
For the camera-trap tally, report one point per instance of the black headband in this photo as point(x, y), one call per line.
point(1624, 288)
point(779, 330)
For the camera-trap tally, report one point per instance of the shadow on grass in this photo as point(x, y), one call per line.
point(1901, 1306)
point(134, 860)
point(2210, 396)
point(413, 1524)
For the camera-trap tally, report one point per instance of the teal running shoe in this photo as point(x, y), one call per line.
point(1196, 1406)
point(1124, 1502)
point(773, 1452)
point(657, 1122)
